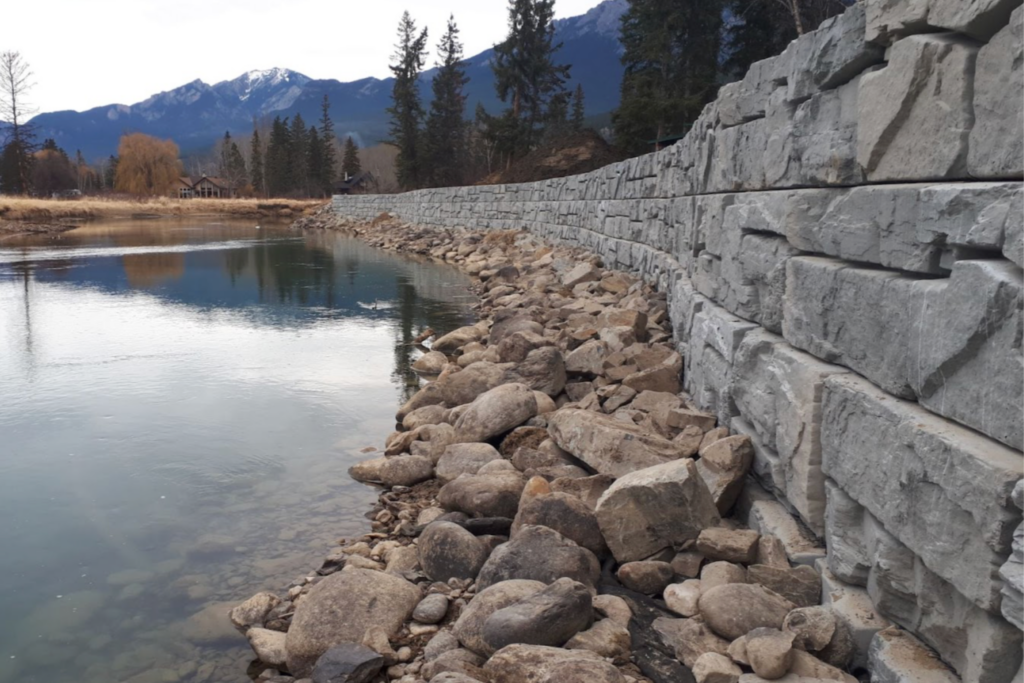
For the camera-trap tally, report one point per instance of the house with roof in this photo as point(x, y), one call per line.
point(355, 184)
point(189, 187)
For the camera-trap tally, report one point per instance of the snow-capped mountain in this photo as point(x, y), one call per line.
point(196, 114)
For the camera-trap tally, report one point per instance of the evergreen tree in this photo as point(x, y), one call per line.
point(278, 162)
point(329, 163)
point(256, 177)
point(315, 163)
point(19, 135)
point(350, 166)
point(525, 74)
point(578, 113)
point(299, 156)
point(670, 51)
point(446, 128)
point(406, 111)
point(110, 173)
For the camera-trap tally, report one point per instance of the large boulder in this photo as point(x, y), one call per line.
point(469, 627)
point(608, 445)
point(464, 386)
point(540, 554)
point(724, 465)
point(551, 616)
point(456, 339)
point(464, 458)
point(689, 638)
point(566, 514)
point(431, 363)
point(496, 412)
point(655, 508)
point(542, 664)
point(447, 551)
point(347, 663)
point(254, 611)
point(484, 494)
point(542, 370)
point(341, 608)
point(399, 470)
point(735, 609)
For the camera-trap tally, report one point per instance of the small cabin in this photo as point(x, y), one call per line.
point(204, 186)
point(360, 182)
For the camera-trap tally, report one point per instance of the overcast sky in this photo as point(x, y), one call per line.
point(88, 53)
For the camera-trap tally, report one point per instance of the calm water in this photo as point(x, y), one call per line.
point(179, 403)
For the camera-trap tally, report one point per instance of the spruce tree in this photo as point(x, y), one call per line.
point(350, 165)
point(670, 51)
point(578, 113)
point(525, 73)
point(299, 156)
point(278, 160)
point(406, 111)
point(446, 128)
point(256, 177)
point(329, 164)
point(315, 162)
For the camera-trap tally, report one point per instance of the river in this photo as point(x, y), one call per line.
point(179, 403)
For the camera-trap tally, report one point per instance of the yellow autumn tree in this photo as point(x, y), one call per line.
point(146, 165)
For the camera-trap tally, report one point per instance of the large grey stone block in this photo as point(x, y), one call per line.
point(778, 390)
point(888, 20)
point(942, 490)
point(915, 115)
point(996, 141)
point(895, 656)
point(831, 55)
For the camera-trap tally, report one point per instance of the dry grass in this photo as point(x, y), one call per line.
point(50, 210)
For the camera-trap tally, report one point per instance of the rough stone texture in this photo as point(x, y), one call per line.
point(566, 514)
point(550, 616)
point(916, 473)
point(464, 458)
point(995, 145)
point(341, 608)
point(921, 297)
point(735, 609)
point(447, 551)
point(496, 412)
point(921, 99)
point(1012, 572)
point(689, 638)
point(540, 554)
point(655, 508)
point(268, 645)
point(493, 494)
point(723, 466)
point(608, 445)
point(731, 545)
point(347, 663)
point(253, 611)
point(540, 664)
point(470, 625)
point(898, 657)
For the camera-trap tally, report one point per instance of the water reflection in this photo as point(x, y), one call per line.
point(181, 403)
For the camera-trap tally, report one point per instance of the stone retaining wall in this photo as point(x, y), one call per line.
point(841, 236)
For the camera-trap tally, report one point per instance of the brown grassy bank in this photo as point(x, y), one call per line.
point(54, 210)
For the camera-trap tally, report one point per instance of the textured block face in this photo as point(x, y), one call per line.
point(942, 490)
point(915, 114)
point(996, 148)
point(778, 389)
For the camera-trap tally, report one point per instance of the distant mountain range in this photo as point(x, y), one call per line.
point(195, 115)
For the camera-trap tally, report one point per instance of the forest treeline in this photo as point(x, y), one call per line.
point(676, 54)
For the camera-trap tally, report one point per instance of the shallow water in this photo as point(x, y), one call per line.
point(179, 404)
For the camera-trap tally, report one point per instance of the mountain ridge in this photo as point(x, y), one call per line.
point(196, 114)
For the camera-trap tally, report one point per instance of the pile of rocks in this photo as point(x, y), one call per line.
point(555, 509)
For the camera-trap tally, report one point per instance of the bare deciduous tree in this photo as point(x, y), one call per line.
point(15, 82)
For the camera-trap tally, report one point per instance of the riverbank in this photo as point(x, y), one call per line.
point(12, 228)
point(53, 211)
point(556, 508)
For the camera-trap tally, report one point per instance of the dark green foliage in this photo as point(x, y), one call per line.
point(232, 164)
point(15, 167)
point(350, 165)
point(51, 170)
point(298, 157)
point(278, 160)
point(527, 78)
point(446, 127)
point(315, 162)
point(256, 173)
point(110, 173)
point(578, 114)
point(406, 110)
point(329, 161)
point(671, 50)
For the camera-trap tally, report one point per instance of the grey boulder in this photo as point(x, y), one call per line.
point(551, 616)
point(495, 412)
point(540, 554)
point(447, 551)
point(347, 663)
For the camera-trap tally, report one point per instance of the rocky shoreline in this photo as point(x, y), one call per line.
point(15, 228)
point(554, 508)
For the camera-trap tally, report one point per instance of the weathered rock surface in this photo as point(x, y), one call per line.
point(431, 609)
point(470, 625)
point(550, 616)
point(464, 458)
point(730, 545)
point(769, 652)
point(253, 611)
point(493, 494)
point(689, 638)
point(608, 638)
point(540, 554)
point(648, 577)
point(341, 608)
point(735, 609)
point(401, 470)
point(495, 412)
point(447, 551)
point(800, 585)
point(682, 598)
point(897, 656)
point(998, 108)
point(268, 645)
point(655, 508)
point(347, 663)
point(712, 667)
point(608, 445)
point(566, 514)
point(540, 664)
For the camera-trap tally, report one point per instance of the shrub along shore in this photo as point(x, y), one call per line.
point(553, 509)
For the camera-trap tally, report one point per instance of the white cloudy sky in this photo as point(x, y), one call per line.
point(87, 53)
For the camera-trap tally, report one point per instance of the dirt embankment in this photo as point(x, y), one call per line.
point(577, 153)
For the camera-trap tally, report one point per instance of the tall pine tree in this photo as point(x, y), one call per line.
point(315, 163)
point(329, 162)
point(299, 156)
point(446, 127)
point(578, 113)
point(278, 162)
point(350, 166)
point(406, 110)
point(670, 51)
point(256, 177)
point(526, 76)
